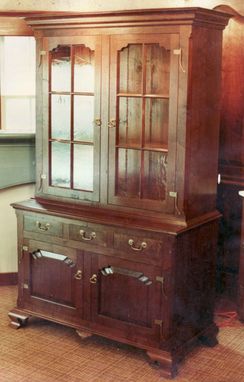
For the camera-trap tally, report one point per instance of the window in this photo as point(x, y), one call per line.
point(17, 85)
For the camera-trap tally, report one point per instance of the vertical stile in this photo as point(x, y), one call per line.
point(72, 119)
point(49, 119)
point(144, 66)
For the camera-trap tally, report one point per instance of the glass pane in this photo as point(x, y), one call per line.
point(130, 120)
point(156, 122)
point(157, 69)
point(60, 164)
point(84, 74)
point(154, 181)
point(83, 167)
point(130, 66)
point(128, 173)
point(60, 69)
point(60, 119)
point(83, 118)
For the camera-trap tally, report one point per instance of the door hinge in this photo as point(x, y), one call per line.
point(42, 178)
point(25, 248)
point(25, 286)
point(158, 322)
point(178, 52)
point(160, 279)
point(174, 194)
point(41, 54)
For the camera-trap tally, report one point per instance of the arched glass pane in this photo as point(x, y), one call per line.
point(61, 69)
point(84, 70)
point(130, 69)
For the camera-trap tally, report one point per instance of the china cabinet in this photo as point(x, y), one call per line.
point(120, 239)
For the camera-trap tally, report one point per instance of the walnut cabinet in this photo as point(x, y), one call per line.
point(120, 239)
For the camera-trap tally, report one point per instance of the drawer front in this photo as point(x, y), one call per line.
point(43, 224)
point(89, 234)
point(138, 247)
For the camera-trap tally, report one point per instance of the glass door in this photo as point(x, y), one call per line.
point(73, 136)
point(142, 122)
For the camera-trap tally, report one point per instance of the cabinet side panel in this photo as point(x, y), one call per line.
point(195, 280)
point(203, 121)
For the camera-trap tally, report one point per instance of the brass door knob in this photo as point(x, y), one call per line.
point(78, 275)
point(112, 123)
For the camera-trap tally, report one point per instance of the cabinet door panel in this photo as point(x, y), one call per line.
point(71, 118)
point(143, 90)
point(126, 297)
point(51, 280)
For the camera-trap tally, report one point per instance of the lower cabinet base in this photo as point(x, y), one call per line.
point(166, 360)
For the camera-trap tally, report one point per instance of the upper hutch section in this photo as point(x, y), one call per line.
point(128, 111)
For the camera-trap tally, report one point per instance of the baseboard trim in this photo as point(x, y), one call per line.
point(8, 278)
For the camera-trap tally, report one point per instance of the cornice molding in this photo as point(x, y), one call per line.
point(157, 16)
point(231, 11)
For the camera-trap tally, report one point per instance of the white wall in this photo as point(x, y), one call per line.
point(8, 231)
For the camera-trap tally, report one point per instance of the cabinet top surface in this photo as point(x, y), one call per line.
point(187, 15)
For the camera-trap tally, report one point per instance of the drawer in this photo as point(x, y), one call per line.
point(89, 234)
point(138, 247)
point(43, 224)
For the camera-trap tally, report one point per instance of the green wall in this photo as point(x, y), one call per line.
point(17, 159)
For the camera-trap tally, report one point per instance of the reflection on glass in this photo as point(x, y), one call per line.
point(84, 75)
point(154, 181)
point(83, 167)
point(60, 69)
point(60, 164)
point(130, 69)
point(128, 173)
point(60, 119)
point(130, 120)
point(156, 122)
point(157, 69)
point(83, 118)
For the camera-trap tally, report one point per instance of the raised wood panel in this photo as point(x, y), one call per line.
point(113, 305)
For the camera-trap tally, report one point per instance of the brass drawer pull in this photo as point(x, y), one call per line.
point(89, 237)
point(93, 279)
point(42, 226)
point(78, 275)
point(142, 246)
